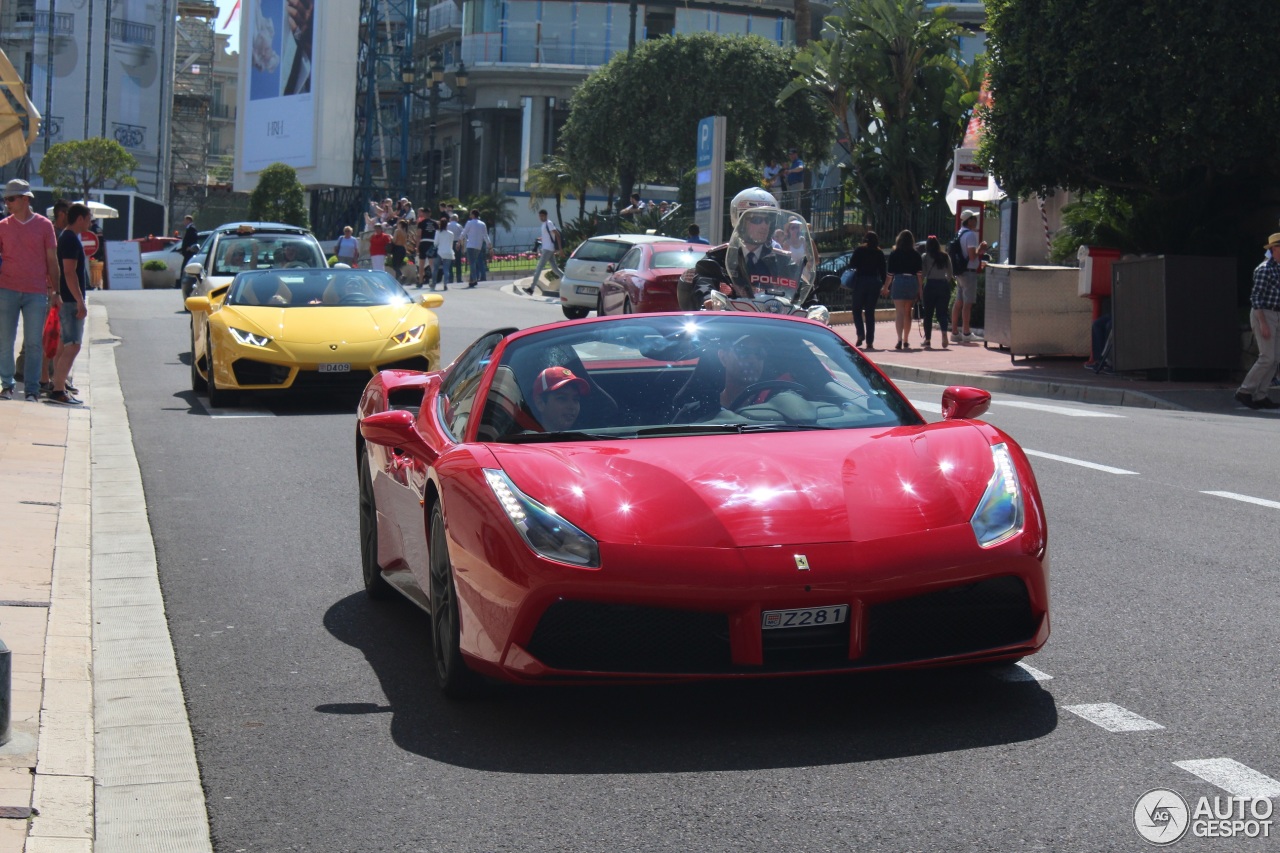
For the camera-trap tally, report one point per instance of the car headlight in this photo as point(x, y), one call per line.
point(1000, 512)
point(248, 338)
point(545, 532)
point(410, 337)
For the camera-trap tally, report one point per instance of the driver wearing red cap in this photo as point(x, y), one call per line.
point(557, 398)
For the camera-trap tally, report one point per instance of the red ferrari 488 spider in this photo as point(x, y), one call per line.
point(714, 495)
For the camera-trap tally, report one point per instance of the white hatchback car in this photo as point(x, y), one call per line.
point(588, 266)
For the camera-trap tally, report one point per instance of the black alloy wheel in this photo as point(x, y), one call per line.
point(457, 680)
point(375, 585)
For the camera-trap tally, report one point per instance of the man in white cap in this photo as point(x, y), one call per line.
point(967, 278)
point(29, 279)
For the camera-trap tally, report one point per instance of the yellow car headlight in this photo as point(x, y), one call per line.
point(412, 336)
point(248, 338)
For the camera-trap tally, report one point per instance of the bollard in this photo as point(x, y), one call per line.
point(6, 684)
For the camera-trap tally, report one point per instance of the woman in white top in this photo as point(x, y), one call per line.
point(442, 262)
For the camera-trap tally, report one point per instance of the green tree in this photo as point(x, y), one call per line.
point(279, 197)
point(549, 178)
point(889, 74)
point(1160, 97)
point(496, 208)
point(79, 166)
point(628, 119)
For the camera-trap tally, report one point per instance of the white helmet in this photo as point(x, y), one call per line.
point(748, 198)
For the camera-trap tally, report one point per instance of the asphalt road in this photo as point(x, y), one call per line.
point(318, 726)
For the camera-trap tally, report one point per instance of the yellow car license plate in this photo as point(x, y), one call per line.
point(335, 367)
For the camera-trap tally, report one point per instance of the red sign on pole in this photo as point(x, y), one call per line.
point(90, 241)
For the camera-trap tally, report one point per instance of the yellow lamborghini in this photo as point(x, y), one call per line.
point(289, 328)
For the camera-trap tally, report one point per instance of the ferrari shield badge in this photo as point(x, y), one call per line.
point(802, 563)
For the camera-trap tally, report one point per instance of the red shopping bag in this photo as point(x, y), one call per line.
point(52, 331)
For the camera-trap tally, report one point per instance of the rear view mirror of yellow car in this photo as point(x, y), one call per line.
point(432, 300)
point(197, 304)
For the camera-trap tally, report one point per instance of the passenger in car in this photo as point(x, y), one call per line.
point(557, 398)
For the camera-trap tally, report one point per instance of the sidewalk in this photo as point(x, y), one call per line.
point(100, 756)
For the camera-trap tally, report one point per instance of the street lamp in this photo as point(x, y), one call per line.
point(460, 81)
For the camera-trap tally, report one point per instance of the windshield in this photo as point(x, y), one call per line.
point(235, 253)
point(324, 288)
point(681, 259)
point(608, 251)
point(772, 252)
point(709, 374)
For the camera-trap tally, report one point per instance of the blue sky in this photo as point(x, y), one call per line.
point(224, 8)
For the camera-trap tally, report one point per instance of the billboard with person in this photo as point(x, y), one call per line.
point(297, 75)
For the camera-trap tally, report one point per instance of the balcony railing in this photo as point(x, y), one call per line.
point(64, 24)
point(128, 32)
point(222, 111)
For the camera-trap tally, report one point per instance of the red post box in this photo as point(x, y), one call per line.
point(1095, 274)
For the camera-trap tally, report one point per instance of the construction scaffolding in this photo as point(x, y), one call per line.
point(383, 93)
point(192, 98)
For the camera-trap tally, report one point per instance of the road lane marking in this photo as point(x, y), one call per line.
point(1083, 464)
point(1237, 497)
point(1112, 717)
point(1056, 410)
point(1021, 672)
point(1232, 777)
point(936, 408)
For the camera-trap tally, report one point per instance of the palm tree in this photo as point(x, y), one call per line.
point(498, 207)
point(549, 178)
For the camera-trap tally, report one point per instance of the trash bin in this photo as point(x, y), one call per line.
point(1095, 274)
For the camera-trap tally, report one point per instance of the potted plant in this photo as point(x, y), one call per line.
point(157, 275)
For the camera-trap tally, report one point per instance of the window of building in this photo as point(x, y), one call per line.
point(659, 22)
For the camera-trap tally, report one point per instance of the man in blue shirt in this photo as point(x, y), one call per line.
point(695, 235)
point(1264, 317)
point(795, 171)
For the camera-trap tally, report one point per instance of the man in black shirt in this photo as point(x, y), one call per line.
point(74, 267)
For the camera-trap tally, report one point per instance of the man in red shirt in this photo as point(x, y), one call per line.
point(29, 277)
point(378, 243)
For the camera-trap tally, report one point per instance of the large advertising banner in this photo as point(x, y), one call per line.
point(277, 37)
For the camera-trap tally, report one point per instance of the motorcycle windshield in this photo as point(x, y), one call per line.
point(772, 252)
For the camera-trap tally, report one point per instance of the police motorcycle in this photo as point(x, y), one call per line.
point(768, 266)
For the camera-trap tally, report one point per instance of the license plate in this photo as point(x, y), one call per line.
point(587, 290)
point(805, 617)
point(335, 367)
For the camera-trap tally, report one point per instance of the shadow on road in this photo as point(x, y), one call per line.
point(747, 725)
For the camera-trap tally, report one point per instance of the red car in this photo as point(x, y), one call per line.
point(677, 496)
point(644, 279)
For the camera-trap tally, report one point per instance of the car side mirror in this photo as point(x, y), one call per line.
point(960, 402)
point(393, 428)
point(432, 300)
point(610, 267)
point(197, 304)
point(194, 269)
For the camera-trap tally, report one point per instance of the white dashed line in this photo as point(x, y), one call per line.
point(1056, 410)
point(1232, 777)
point(1245, 498)
point(1113, 718)
point(1021, 672)
point(1083, 464)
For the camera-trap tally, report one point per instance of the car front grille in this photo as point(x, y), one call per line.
point(955, 621)
point(591, 636)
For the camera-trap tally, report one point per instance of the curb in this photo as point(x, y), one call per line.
point(1070, 391)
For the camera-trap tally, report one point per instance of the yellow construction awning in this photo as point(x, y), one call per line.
point(19, 119)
